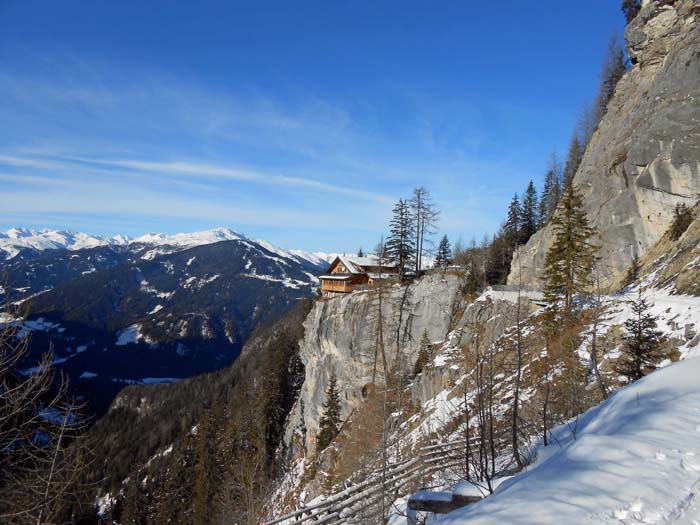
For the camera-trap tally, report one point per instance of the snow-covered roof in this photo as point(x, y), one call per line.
point(357, 265)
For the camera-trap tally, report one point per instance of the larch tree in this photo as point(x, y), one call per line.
point(425, 217)
point(642, 350)
point(400, 245)
point(570, 260)
point(444, 254)
point(329, 425)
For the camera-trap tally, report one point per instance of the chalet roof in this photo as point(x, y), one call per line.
point(358, 265)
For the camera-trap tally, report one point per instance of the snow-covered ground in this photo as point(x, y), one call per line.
point(635, 459)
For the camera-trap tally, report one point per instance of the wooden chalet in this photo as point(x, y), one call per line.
point(347, 273)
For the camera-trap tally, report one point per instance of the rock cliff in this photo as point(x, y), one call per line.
point(644, 158)
point(341, 336)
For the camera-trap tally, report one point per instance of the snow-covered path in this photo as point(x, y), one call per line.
point(635, 459)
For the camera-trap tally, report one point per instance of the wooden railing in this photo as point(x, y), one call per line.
point(397, 479)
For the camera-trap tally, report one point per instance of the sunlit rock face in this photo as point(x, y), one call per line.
point(644, 159)
point(341, 338)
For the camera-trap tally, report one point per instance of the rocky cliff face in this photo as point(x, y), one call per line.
point(645, 156)
point(341, 335)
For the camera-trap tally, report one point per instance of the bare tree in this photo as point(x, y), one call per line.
point(425, 218)
point(44, 461)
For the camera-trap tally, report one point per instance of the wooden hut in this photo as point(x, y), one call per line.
point(346, 273)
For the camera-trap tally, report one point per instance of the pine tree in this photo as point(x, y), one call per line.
point(400, 244)
point(573, 160)
point(631, 8)
point(633, 271)
point(360, 253)
point(511, 228)
point(529, 219)
point(329, 425)
point(642, 347)
point(569, 262)
point(682, 217)
point(423, 354)
point(135, 504)
point(444, 254)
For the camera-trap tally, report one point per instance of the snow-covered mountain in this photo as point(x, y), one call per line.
point(13, 241)
point(16, 239)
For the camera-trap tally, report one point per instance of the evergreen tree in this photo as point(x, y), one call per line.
point(360, 253)
point(633, 271)
point(135, 504)
point(551, 192)
point(569, 262)
point(613, 69)
point(682, 217)
point(573, 160)
point(400, 244)
point(329, 425)
point(529, 220)
point(511, 228)
point(642, 347)
point(631, 8)
point(444, 254)
point(498, 257)
point(423, 354)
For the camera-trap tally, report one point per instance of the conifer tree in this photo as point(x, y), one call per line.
point(570, 260)
point(551, 192)
point(360, 253)
point(423, 354)
point(631, 8)
point(511, 228)
point(529, 219)
point(682, 217)
point(642, 347)
point(329, 425)
point(444, 254)
point(400, 244)
point(613, 69)
point(573, 160)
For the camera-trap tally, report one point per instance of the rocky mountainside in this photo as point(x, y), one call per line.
point(644, 158)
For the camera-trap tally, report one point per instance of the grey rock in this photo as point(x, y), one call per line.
point(644, 158)
point(340, 337)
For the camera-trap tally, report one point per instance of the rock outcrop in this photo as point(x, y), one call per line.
point(341, 335)
point(644, 157)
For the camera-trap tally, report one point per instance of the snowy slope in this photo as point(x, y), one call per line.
point(635, 459)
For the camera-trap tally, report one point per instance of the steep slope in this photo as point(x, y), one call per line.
point(634, 459)
point(644, 157)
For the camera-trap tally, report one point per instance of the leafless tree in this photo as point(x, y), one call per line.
point(44, 461)
point(425, 218)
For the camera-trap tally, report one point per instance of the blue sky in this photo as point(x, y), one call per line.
point(297, 122)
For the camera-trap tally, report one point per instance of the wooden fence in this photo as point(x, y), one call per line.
point(364, 499)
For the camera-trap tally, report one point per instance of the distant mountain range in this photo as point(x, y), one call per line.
point(158, 308)
point(17, 240)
